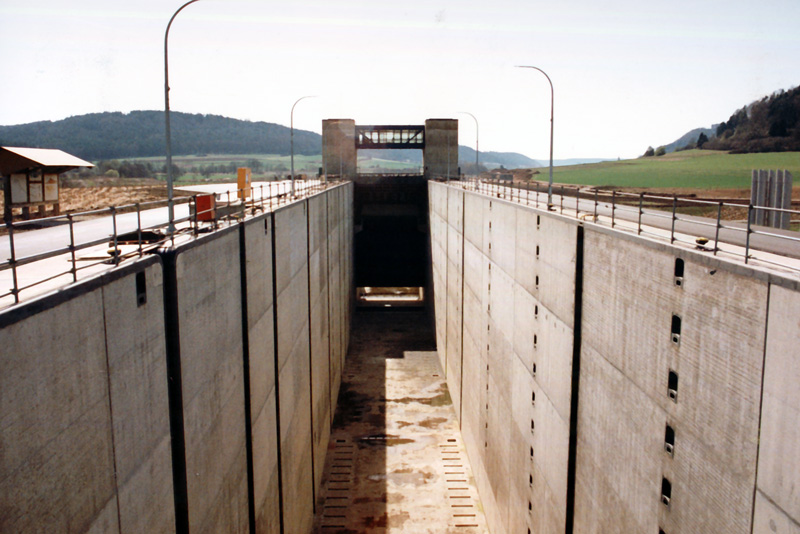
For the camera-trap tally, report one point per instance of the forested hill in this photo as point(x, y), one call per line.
point(103, 136)
point(138, 134)
point(771, 124)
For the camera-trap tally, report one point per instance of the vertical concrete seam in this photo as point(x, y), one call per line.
point(175, 391)
point(576, 373)
point(276, 360)
point(461, 378)
point(111, 410)
point(310, 357)
point(761, 407)
point(328, 303)
point(248, 413)
point(430, 291)
point(446, 273)
point(351, 300)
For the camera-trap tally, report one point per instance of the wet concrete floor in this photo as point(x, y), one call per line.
point(396, 462)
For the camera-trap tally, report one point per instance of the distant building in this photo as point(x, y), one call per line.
point(502, 174)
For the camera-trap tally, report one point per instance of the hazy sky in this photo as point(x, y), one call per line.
point(627, 74)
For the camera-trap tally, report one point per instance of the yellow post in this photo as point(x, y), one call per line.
point(243, 175)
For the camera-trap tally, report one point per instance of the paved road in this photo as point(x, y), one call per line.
point(781, 242)
point(32, 242)
point(43, 240)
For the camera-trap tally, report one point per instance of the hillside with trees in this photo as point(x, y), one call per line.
point(102, 137)
point(114, 135)
point(771, 124)
point(693, 139)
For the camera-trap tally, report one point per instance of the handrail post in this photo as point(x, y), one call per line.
point(577, 201)
point(13, 260)
point(674, 210)
point(74, 269)
point(139, 227)
point(716, 236)
point(613, 207)
point(749, 231)
point(116, 244)
point(195, 217)
point(595, 205)
point(641, 200)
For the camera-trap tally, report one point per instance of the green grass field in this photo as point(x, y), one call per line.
point(698, 169)
point(267, 159)
point(689, 169)
point(271, 164)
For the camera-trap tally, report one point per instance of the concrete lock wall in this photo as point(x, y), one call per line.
point(260, 368)
point(211, 399)
point(274, 366)
point(209, 319)
point(505, 322)
point(607, 446)
point(294, 400)
point(630, 299)
point(340, 281)
point(437, 199)
point(777, 504)
point(83, 402)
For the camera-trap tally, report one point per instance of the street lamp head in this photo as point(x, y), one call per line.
point(291, 135)
point(477, 149)
point(552, 99)
point(302, 98)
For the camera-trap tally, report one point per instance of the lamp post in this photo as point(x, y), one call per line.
point(170, 203)
point(550, 183)
point(476, 140)
point(291, 137)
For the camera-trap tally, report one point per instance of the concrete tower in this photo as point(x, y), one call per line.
point(441, 148)
point(339, 148)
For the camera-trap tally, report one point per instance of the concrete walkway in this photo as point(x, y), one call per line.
point(396, 462)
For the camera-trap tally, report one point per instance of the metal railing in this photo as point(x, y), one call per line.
point(645, 214)
point(143, 238)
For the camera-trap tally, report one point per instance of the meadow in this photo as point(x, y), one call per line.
point(689, 169)
point(265, 166)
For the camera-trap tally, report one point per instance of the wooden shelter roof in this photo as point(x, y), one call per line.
point(18, 159)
